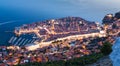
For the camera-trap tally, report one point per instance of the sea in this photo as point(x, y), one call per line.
point(7, 26)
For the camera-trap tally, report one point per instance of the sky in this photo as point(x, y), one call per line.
point(92, 10)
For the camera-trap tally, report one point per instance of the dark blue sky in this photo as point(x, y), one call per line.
point(93, 10)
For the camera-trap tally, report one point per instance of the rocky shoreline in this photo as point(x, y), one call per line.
point(105, 61)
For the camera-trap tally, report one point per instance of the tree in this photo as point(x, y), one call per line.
point(106, 48)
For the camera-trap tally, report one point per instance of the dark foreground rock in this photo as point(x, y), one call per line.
point(105, 61)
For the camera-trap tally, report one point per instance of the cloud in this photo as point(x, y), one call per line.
point(83, 8)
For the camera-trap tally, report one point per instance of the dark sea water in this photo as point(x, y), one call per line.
point(7, 27)
point(5, 36)
point(10, 19)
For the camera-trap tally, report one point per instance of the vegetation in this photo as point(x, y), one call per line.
point(82, 61)
point(106, 48)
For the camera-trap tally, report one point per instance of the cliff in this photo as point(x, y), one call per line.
point(105, 61)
